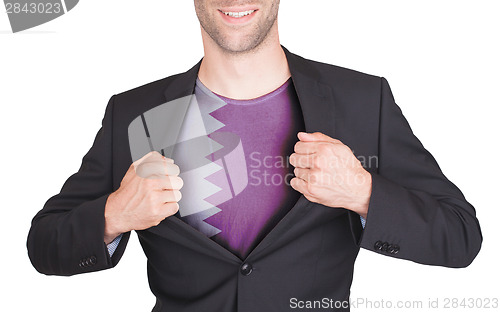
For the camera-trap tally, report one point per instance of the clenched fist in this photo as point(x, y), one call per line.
point(328, 173)
point(148, 193)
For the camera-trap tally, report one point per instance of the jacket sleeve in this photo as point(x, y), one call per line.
point(67, 236)
point(415, 212)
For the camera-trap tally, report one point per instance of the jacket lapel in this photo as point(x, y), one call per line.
point(316, 98)
point(183, 84)
point(318, 109)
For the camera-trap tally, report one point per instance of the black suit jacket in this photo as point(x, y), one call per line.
point(415, 212)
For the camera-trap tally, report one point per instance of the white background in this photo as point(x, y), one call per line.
point(441, 59)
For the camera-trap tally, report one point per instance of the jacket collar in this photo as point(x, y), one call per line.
point(315, 96)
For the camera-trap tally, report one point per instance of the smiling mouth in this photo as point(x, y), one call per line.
point(238, 14)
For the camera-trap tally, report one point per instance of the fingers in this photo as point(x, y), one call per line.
point(171, 183)
point(301, 186)
point(152, 156)
point(302, 173)
point(169, 160)
point(311, 176)
point(312, 147)
point(303, 161)
point(157, 169)
point(302, 147)
point(165, 183)
point(298, 184)
point(171, 208)
point(316, 137)
point(171, 196)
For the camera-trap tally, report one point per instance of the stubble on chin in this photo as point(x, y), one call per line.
point(243, 45)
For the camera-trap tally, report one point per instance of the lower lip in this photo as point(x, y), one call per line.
point(237, 20)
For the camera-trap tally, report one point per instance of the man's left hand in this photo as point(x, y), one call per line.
point(327, 172)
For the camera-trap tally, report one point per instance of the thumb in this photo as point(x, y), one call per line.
point(316, 136)
point(147, 157)
point(153, 157)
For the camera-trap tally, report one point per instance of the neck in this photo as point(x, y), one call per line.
point(244, 75)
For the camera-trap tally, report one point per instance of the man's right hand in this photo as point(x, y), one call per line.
point(148, 193)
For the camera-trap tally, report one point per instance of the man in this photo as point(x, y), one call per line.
point(254, 246)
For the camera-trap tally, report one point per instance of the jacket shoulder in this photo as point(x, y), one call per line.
point(340, 75)
point(152, 90)
point(134, 102)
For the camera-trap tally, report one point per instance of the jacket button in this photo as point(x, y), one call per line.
point(246, 269)
point(93, 260)
point(385, 245)
point(390, 249)
point(83, 263)
point(378, 245)
point(395, 249)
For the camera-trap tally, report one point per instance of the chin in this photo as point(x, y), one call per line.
point(238, 44)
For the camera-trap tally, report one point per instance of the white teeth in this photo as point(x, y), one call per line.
point(239, 14)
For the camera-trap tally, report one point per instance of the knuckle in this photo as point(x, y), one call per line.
point(157, 220)
point(315, 172)
point(154, 198)
point(159, 184)
point(311, 189)
point(322, 148)
point(303, 161)
point(144, 166)
point(317, 161)
point(176, 182)
point(181, 182)
point(177, 195)
point(311, 198)
point(169, 183)
point(313, 177)
point(142, 170)
point(172, 208)
point(172, 169)
point(148, 183)
point(345, 150)
point(296, 147)
point(154, 210)
point(326, 149)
